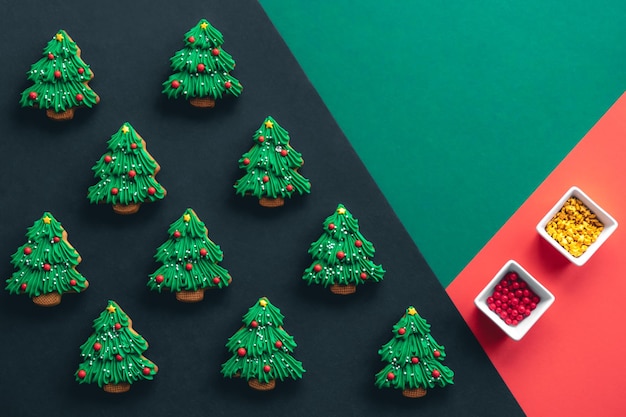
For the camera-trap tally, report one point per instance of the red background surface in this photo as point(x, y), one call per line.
point(572, 361)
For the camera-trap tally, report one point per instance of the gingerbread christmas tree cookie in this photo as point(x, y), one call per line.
point(189, 261)
point(126, 173)
point(202, 68)
point(262, 350)
point(341, 256)
point(46, 264)
point(414, 360)
point(271, 167)
point(113, 354)
point(60, 80)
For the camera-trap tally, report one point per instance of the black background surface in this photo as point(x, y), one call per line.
point(46, 166)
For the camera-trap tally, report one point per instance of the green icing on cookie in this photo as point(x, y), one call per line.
point(60, 78)
point(202, 68)
point(189, 258)
point(271, 165)
point(113, 354)
point(341, 256)
point(46, 263)
point(261, 349)
point(414, 359)
point(126, 173)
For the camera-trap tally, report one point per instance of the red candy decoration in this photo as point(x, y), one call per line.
point(203, 252)
point(108, 159)
point(23, 287)
point(189, 267)
point(118, 357)
point(146, 371)
point(27, 250)
point(435, 373)
point(266, 178)
point(391, 376)
point(47, 267)
point(117, 326)
point(511, 300)
point(241, 352)
point(401, 331)
point(159, 279)
point(331, 226)
point(228, 84)
point(114, 191)
point(341, 255)
point(363, 275)
point(50, 56)
point(176, 234)
point(32, 95)
point(317, 268)
point(200, 67)
point(215, 52)
point(216, 280)
point(191, 39)
point(283, 152)
point(132, 173)
point(436, 353)
point(56, 239)
point(254, 323)
point(175, 84)
point(278, 344)
point(151, 190)
point(72, 282)
point(57, 74)
point(246, 161)
point(81, 70)
point(261, 139)
point(267, 368)
point(97, 346)
point(133, 146)
point(415, 360)
point(358, 243)
point(289, 187)
point(79, 97)
point(81, 374)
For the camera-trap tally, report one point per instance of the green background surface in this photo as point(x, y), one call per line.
point(459, 109)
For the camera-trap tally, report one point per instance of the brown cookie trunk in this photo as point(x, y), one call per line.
point(190, 296)
point(271, 202)
point(125, 209)
point(60, 116)
point(414, 392)
point(47, 300)
point(116, 388)
point(202, 102)
point(343, 289)
point(262, 386)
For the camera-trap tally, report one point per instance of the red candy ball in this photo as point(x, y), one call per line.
point(72, 282)
point(175, 84)
point(151, 191)
point(191, 39)
point(114, 191)
point(391, 376)
point(341, 255)
point(117, 326)
point(363, 275)
point(79, 97)
point(228, 84)
point(266, 178)
point(241, 352)
point(176, 234)
point(215, 52)
point(56, 239)
point(23, 287)
point(331, 226)
point(200, 67)
point(267, 368)
point(246, 161)
point(47, 267)
point(203, 252)
point(118, 357)
point(50, 56)
point(261, 139)
point(81, 70)
point(216, 280)
point(133, 146)
point(132, 173)
point(278, 344)
point(97, 346)
point(107, 158)
point(81, 374)
point(32, 95)
point(401, 331)
point(317, 268)
point(436, 353)
point(27, 250)
point(289, 187)
point(57, 74)
point(358, 243)
point(146, 371)
point(189, 267)
point(414, 360)
point(283, 152)
point(159, 279)
point(254, 323)
point(435, 373)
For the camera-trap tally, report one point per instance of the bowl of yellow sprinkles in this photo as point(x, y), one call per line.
point(576, 226)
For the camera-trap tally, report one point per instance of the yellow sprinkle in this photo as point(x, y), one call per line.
point(575, 227)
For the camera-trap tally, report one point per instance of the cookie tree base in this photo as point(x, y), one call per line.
point(414, 392)
point(125, 209)
point(271, 202)
point(202, 102)
point(116, 388)
point(342, 289)
point(262, 386)
point(190, 296)
point(60, 116)
point(48, 300)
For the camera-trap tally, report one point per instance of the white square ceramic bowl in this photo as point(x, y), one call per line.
point(545, 300)
point(610, 224)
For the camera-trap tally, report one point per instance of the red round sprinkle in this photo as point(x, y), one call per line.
point(132, 173)
point(341, 255)
point(81, 374)
point(191, 39)
point(97, 346)
point(23, 287)
point(216, 280)
point(228, 84)
point(401, 331)
point(254, 323)
point(266, 178)
point(391, 376)
point(241, 351)
point(203, 252)
point(267, 368)
point(81, 70)
point(175, 84)
point(72, 282)
point(32, 95)
point(151, 190)
point(118, 357)
point(278, 344)
point(107, 158)
point(28, 250)
point(146, 371)
point(159, 279)
point(57, 74)
point(363, 275)
point(79, 97)
point(215, 52)
point(331, 226)
point(117, 326)
point(56, 239)
point(189, 267)
point(261, 139)
point(358, 243)
point(47, 267)
point(114, 191)
point(246, 161)
point(176, 234)
point(436, 353)
point(317, 268)
point(512, 276)
point(435, 373)
point(289, 187)
point(283, 152)
point(50, 56)
point(200, 67)
point(415, 360)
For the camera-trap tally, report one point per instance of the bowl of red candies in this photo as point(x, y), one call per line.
point(514, 300)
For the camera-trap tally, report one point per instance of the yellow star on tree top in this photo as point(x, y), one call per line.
point(59, 37)
point(111, 308)
point(186, 218)
point(269, 124)
point(46, 220)
point(204, 25)
point(341, 210)
point(411, 311)
point(125, 129)
point(262, 302)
